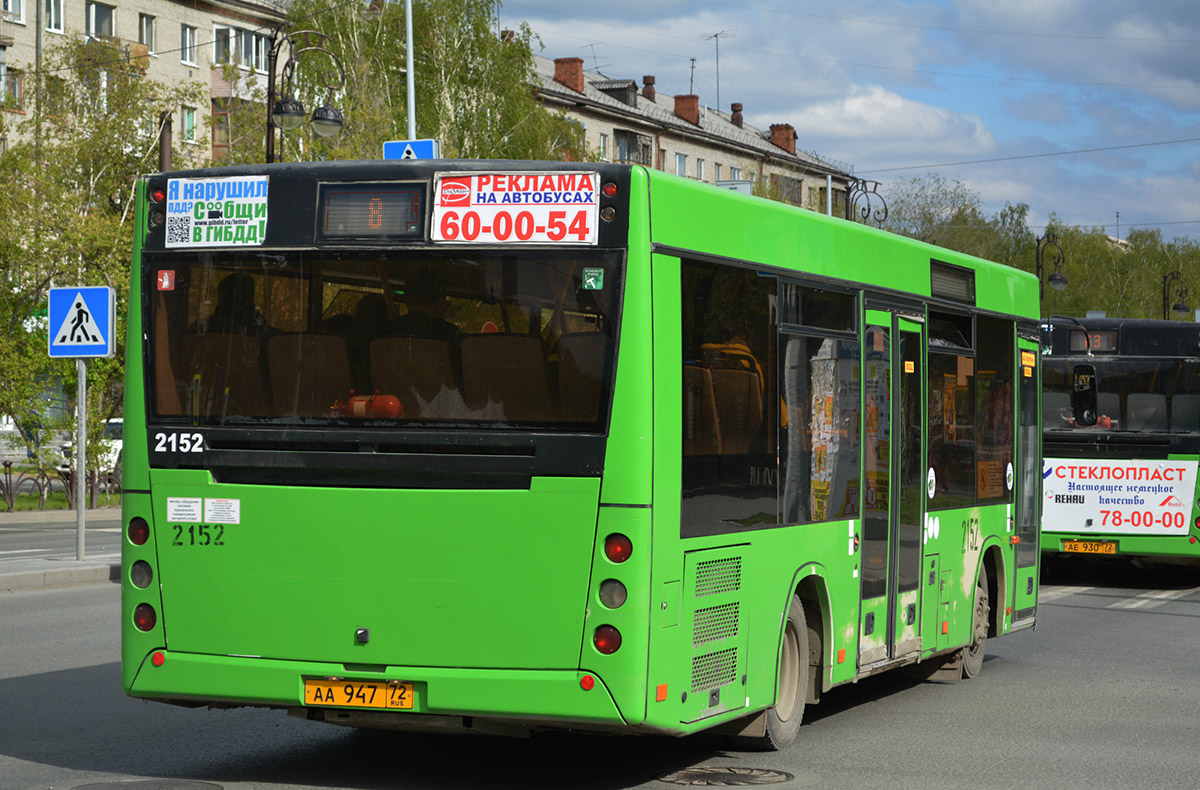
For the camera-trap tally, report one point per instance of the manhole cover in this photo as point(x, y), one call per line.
point(709, 776)
point(151, 784)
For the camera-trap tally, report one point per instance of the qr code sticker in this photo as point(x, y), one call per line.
point(179, 230)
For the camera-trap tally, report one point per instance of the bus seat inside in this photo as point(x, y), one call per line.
point(702, 430)
point(581, 357)
point(1185, 413)
point(211, 360)
point(504, 377)
point(419, 372)
point(1147, 411)
point(309, 373)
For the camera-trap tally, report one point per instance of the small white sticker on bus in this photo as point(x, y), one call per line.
point(222, 511)
point(184, 509)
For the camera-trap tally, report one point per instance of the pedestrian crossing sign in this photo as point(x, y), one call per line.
point(82, 322)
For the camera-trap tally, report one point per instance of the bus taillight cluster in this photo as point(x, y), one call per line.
point(617, 548)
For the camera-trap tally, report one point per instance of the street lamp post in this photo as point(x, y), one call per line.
point(1057, 279)
point(1174, 279)
point(860, 195)
point(288, 113)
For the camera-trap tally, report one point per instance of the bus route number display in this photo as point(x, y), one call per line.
point(516, 208)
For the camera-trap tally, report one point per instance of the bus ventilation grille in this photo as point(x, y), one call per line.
point(714, 577)
point(715, 623)
point(714, 669)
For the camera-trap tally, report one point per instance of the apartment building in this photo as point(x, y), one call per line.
point(676, 134)
point(170, 41)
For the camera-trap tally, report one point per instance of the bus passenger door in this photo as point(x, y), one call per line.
point(1028, 484)
point(890, 557)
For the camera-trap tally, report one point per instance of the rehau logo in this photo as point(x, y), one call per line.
point(1069, 499)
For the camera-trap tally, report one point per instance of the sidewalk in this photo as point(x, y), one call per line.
point(59, 567)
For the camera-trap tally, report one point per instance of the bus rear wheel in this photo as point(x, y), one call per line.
point(973, 653)
point(783, 720)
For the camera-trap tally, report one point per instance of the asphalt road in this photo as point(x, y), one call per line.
point(1103, 695)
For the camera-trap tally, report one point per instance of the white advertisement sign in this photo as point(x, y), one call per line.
point(1117, 497)
point(516, 208)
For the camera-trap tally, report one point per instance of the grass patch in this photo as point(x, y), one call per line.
point(57, 500)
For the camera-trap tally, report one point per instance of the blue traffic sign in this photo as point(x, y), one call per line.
point(412, 149)
point(82, 322)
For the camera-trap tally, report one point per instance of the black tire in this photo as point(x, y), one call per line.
point(973, 653)
point(783, 719)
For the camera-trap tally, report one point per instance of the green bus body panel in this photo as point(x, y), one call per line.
point(749, 228)
point(548, 694)
point(475, 579)
point(628, 455)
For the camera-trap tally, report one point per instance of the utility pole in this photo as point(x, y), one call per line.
point(692, 83)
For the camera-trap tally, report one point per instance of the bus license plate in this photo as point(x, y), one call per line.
point(1090, 546)
point(388, 695)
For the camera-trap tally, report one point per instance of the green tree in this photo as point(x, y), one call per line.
point(66, 205)
point(472, 88)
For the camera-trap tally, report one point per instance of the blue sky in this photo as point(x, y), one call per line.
point(890, 84)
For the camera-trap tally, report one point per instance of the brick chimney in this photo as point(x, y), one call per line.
point(687, 107)
point(569, 71)
point(784, 136)
point(648, 87)
point(735, 117)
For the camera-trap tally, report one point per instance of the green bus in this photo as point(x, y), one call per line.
point(1121, 402)
point(512, 445)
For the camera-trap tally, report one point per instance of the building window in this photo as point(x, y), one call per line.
point(223, 45)
point(146, 31)
point(716, 172)
point(633, 149)
point(603, 147)
point(11, 95)
point(735, 174)
point(700, 169)
point(101, 20)
point(187, 44)
point(54, 16)
point(187, 120)
point(789, 190)
point(14, 10)
point(253, 50)
point(662, 159)
point(681, 164)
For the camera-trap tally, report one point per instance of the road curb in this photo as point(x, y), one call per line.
point(36, 574)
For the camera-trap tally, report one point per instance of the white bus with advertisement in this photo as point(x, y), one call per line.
point(1121, 422)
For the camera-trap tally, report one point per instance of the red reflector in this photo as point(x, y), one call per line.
point(587, 683)
point(144, 617)
point(607, 639)
point(617, 547)
point(1015, 539)
point(660, 694)
point(609, 189)
point(945, 627)
point(139, 531)
point(158, 658)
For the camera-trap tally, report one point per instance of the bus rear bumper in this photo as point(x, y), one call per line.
point(535, 697)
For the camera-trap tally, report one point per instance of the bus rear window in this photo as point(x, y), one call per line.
point(383, 338)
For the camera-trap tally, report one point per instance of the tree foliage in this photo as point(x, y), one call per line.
point(1124, 278)
point(472, 89)
point(66, 205)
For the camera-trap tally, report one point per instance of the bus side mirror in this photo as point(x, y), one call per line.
point(1083, 395)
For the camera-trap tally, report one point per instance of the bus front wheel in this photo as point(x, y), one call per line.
point(973, 653)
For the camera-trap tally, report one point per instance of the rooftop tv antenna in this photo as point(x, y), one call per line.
point(716, 39)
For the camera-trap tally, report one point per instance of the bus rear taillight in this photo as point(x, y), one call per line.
point(141, 574)
point(617, 547)
point(609, 189)
point(607, 639)
point(139, 531)
point(144, 617)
